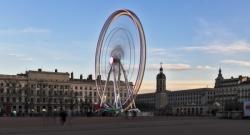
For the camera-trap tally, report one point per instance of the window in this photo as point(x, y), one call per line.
point(81, 88)
point(14, 100)
point(76, 87)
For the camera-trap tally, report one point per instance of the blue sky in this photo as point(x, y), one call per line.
point(192, 38)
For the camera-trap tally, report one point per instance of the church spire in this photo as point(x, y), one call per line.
point(220, 74)
point(161, 69)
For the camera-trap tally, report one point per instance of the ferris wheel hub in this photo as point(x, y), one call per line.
point(114, 60)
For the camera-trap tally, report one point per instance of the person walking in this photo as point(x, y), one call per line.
point(63, 116)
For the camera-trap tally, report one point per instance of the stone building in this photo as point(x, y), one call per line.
point(38, 92)
point(227, 95)
point(191, 101)
point(231, 93)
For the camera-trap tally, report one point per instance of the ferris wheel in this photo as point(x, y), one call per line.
point(120, 60)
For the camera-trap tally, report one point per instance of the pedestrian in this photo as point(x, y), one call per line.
point(63, 116)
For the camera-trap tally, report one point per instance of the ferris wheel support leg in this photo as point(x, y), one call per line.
point(130, 93)
point(105, 87)
point(119, 84)
point(133, 105)
point(116, 94)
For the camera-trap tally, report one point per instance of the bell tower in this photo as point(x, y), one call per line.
point(219, 79)
point(160, 81)
point(161, 93)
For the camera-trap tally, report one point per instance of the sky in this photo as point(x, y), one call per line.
point(191, 38)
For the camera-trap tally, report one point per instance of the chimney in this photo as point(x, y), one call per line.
point(81, 77)
point(55, 70)
point(90, 77)
point(72, 75)
point(39, 70)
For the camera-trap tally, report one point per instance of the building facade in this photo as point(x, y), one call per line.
point(227, 95)
point(42, 92)
point(231, 93)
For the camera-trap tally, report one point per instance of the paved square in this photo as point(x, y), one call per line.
point(122, 126)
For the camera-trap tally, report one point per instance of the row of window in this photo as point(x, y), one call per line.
point(10, 85)
point(49, 86)
point(43, 92)
point(42, 100)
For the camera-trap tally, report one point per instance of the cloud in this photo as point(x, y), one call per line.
point(222, 47)
point(212, 30)
point(20, 57)
point(237, 62)
point(26, 30)
point(206, 67)
point(163, 55)
point(158, 51)
point(27, 59)
point(215, 38)
point(179, 67)
point(15, 55)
